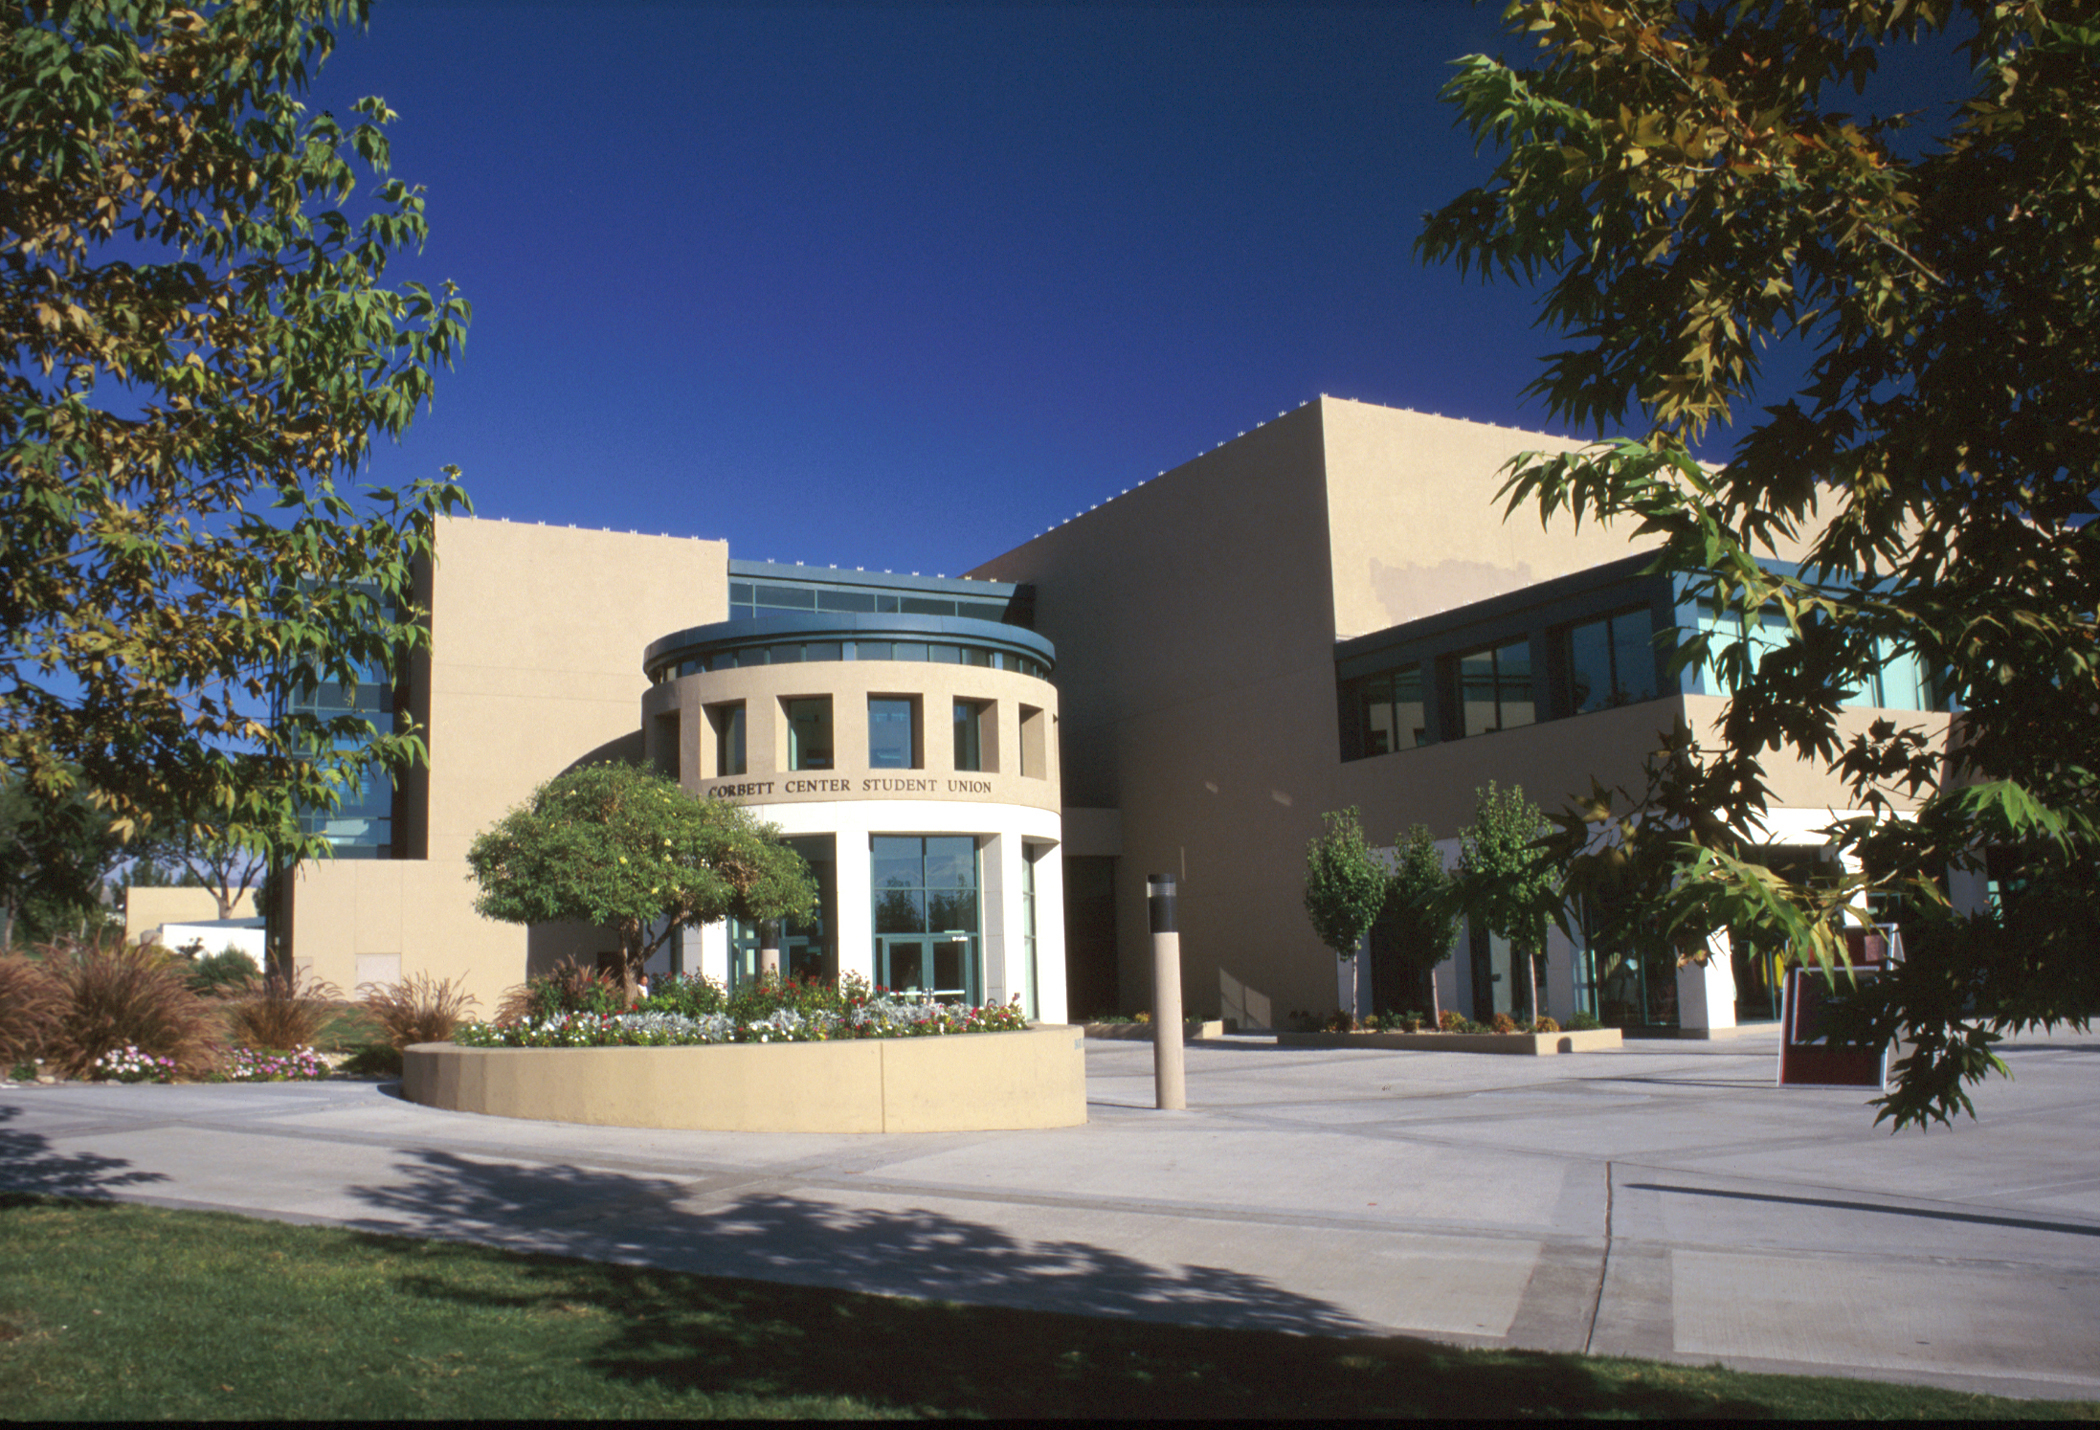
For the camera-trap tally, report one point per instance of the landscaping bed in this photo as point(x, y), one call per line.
point(1586, 1040)
point(1142, 1032)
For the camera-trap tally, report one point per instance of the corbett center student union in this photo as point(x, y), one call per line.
point(1326, 611)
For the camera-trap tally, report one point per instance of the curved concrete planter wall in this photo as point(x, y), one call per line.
point(965, 1082)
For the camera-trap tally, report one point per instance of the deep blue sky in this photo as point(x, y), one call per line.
point(903, 286)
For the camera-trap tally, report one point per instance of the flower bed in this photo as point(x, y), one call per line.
point(877, 1015)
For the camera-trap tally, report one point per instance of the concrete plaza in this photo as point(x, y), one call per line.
point(1665, 1200)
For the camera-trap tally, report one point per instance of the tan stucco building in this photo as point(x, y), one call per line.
point(1328, 610)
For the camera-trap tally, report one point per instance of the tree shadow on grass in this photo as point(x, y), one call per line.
point(747, 1293)
point(30, 1168)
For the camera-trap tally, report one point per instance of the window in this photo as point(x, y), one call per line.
point(925, 895)
point(809, 732)
point(893, 733)
point(1494, 689)
point(727, 721)
point(970, 717)
point(1609, 662)
point(1393, 715)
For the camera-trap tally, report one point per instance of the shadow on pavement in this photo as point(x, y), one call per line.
point(1980, 1218)
point(28, 1165)
point(1074, 1329)
point(772, 1236)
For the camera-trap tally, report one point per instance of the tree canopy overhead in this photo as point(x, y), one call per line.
point(1695, 183)
point(622, 848)
point(201, 347)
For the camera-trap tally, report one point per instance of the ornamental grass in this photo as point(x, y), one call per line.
point(115, 996)
point(421, 1009)
point(29, 1002)
point(284, 1010)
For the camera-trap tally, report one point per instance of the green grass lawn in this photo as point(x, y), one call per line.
point(119, 1312)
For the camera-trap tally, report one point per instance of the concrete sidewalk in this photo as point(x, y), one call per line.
point(1665, 1200)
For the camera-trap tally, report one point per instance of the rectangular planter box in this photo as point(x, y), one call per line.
point(1142, 1032)
point(1589, 1040)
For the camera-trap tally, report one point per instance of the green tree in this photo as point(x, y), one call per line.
point(1344, 887)
point(1696, 190)
point(623, 848)
point(201, 348)
point(1508, 883)
point(55, 851)
point(1420, 914)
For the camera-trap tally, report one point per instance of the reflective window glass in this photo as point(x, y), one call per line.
point(786, 598)
point(969, 734)
point(892, 740)
point(728, 722)
point(845, 600)
point(926, 606)
point(1494, 689)
point(809, 733)
point(821, 650)
point(1610, 661)
point(873, 650)
point(911, 650)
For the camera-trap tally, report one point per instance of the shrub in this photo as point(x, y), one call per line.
point(1411, 1021)
point(1503, 1023)
point(693, 995)
point(421, 1009)
point(1583, 1022)
point(228, 971)
point(117, 995)
point(283, 1011)
point(1545, 1025)
point(1452, 1021)
point(374, 1060)
point(568, 988)
point(1340, 1021)
point(29, 1002)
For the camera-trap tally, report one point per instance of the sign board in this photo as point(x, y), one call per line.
point(1804, 1017)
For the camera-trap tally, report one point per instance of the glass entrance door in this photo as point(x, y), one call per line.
point(944, 965)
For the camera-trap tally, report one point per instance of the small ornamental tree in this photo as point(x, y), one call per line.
point(1508, 884)
point(1421, 915)
point(626, 849)
point(1344, 887)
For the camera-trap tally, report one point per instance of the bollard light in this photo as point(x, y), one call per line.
point(1168, 1077)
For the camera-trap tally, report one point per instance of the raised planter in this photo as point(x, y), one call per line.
point(1588, 1040)
point(964, 1082)
point(1142, 1032)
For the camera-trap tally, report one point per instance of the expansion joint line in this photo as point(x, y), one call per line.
point(1603, 1265)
